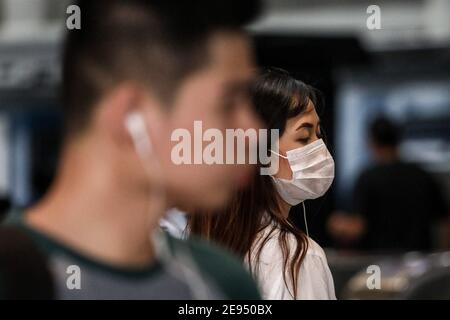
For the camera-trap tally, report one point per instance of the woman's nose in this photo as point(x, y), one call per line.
point(315, 137)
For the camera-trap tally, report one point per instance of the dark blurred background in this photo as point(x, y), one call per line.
point(400, 72)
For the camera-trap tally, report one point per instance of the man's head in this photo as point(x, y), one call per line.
point(384, 137)
point(173, 62)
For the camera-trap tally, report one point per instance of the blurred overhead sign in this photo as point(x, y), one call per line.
point(28, 67)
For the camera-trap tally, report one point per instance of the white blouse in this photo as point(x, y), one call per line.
point(315, 281)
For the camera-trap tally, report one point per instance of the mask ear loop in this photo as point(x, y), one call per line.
point(304, 217)
point(280, 155)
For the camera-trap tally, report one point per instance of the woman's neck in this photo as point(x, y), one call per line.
point(284, 207)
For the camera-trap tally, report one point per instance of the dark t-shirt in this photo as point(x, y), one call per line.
point(211, 270)
point(400, 202)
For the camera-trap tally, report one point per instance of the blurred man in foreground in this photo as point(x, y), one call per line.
point(136, 71)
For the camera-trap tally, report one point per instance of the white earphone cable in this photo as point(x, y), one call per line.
point(304, 217)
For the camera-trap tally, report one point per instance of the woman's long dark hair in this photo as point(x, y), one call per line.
point(277, 97)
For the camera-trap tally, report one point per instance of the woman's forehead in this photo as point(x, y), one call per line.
point(309, 115)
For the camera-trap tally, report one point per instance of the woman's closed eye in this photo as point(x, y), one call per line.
point(303, 140)
point(304, 135)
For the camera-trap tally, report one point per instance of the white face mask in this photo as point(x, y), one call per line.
point(312, 173)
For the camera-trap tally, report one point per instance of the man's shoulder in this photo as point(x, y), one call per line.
point(24, 272)
point(221, 267)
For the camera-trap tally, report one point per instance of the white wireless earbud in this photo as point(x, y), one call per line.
point(135, 125)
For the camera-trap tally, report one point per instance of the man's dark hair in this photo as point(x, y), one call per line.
point(156, 43)
point(384, 132)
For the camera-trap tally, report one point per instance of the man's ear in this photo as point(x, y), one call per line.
point(117, 106)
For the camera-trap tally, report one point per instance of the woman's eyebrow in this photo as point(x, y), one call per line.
point(307, 125)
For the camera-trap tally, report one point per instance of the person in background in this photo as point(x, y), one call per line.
point(396, 204)
point(136, 71)
point(286, 262)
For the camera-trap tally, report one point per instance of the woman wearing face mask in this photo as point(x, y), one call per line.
point(286, 262)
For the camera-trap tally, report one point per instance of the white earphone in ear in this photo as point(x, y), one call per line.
point(135, 125)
